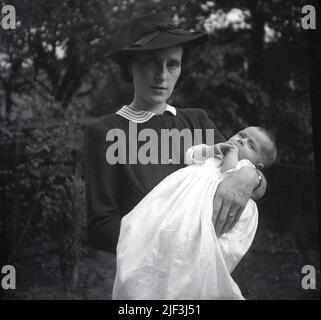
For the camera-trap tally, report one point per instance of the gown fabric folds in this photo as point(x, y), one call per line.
point(168, 249)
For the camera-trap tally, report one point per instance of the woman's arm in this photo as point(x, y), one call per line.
point(260, 190)
point(102, 191)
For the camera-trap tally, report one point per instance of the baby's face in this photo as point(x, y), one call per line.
point(253, 145)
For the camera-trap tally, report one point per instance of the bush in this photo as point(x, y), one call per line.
point(43, 197)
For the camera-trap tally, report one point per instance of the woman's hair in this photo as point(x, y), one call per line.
point(125, 63)
point(186, 65)
point(128, 58)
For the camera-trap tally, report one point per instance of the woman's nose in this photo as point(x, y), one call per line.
point(160, 73)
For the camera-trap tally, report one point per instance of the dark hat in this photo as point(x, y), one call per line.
point(149, 32)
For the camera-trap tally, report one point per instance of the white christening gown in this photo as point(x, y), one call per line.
point(168, 248)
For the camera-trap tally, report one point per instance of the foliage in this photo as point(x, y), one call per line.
point(44, 195)
point(250, 74)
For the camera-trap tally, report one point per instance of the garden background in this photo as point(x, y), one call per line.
point(55, 78)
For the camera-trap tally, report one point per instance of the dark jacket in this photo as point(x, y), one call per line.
point(112, 190)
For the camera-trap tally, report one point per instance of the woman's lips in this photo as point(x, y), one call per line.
point(158, 88)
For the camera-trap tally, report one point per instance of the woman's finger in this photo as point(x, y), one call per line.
point(237, 217)
point(217, 203)
point(231, 217)
point(222, 217)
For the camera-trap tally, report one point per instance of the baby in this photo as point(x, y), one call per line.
point(168, 249)
point(255, 144)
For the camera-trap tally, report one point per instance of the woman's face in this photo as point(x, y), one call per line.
point(155, 74)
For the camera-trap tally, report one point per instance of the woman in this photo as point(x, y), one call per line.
point(150, 53)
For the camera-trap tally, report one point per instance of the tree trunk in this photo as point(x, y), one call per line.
point(314, 65)
point(257, 40)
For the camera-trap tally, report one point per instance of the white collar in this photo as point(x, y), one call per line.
point(141, 116)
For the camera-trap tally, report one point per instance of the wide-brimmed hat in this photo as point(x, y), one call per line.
point(150, 32)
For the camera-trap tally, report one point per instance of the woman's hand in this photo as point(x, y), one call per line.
point(231, 196)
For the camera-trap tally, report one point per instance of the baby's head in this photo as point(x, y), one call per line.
point(257, 145)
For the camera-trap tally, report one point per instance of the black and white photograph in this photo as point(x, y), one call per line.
point(160, 150)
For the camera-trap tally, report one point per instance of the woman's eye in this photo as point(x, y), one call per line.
point(173, 65)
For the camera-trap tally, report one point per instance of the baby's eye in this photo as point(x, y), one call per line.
point(251, 146)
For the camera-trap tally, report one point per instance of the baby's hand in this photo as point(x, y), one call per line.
point(227, 147)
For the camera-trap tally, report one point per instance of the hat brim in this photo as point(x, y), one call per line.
point(160, 41)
